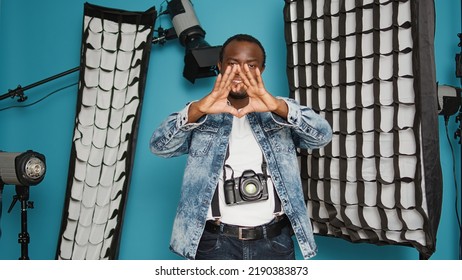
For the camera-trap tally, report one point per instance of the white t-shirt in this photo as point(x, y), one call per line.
point(244, 154)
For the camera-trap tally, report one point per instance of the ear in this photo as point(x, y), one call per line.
point(219, 66)
point(262, 69)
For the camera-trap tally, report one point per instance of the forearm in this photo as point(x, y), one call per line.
point(194, 112)
point(311, 130)
point(172, 136)
point(282, 109)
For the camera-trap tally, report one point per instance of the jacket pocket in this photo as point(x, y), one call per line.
point(280, 137)
point(202, 139)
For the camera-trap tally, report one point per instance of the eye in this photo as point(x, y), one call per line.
point(251, 66)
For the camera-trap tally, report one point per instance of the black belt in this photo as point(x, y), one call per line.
point(249, 233)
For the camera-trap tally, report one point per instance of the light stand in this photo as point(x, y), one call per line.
point(457, 134)
point(22, 170)
point(22, 194)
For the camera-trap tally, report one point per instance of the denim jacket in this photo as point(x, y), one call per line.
point(206, 142)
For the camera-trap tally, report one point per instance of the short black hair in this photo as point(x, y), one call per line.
point(243, 38)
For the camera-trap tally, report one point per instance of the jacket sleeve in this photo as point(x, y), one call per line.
point(172, 137)
point(309, 129)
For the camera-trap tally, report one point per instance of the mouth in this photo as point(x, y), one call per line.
point(237, 80)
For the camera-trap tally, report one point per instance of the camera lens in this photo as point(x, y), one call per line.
point(250, 189)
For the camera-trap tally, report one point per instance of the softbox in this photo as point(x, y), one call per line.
point(115, 52)
point(368, 67)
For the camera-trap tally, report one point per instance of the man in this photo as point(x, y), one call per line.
point(241, 196)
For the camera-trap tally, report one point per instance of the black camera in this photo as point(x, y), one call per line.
point(250, 187)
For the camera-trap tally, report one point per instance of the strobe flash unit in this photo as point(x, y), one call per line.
point(200, 58)
point(22, 169)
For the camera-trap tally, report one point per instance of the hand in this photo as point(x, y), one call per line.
point(260, 100)
point(216, 101)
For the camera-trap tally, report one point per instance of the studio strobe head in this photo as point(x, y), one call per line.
point(22, 169)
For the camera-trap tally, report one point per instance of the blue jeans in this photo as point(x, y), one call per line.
point(217, 246)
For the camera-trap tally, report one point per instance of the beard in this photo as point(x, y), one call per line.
point(238, 95)
point(238, 92)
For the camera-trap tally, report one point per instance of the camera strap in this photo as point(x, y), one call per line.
point(215, 202)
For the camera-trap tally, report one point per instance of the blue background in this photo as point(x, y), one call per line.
point(39, 39)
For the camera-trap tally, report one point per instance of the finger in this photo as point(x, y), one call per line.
point(244, 77)
point(228, 77)
point(223, 86)
point(249, 75)
point(233, 111)
point(259, 78)
point(243, 111)
point(216, 86)
point(226, 74)
point(219, 83)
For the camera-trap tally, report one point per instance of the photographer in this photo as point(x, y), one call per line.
point(241, 195)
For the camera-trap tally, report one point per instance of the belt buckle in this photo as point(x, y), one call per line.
point(240, 229)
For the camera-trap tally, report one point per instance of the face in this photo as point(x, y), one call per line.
point(241, 53)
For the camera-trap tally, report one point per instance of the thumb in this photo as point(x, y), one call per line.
point(244, 111)
point(233, 111)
